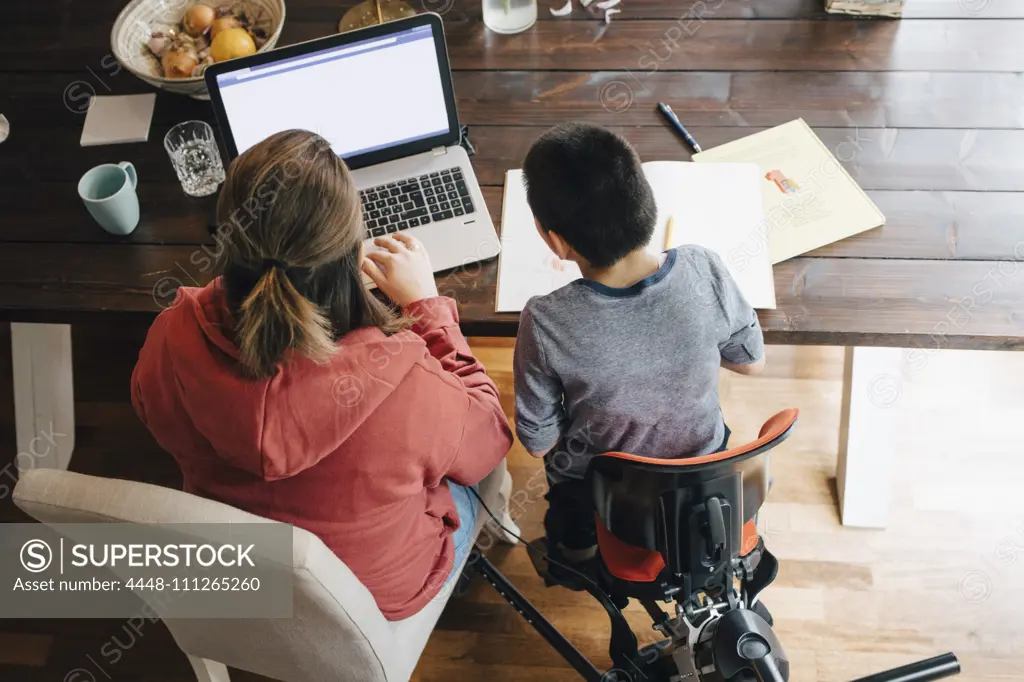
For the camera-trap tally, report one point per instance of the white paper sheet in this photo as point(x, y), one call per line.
point(526, 266)
point(718, 206)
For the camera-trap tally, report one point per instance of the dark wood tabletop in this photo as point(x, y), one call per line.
point(926, 113)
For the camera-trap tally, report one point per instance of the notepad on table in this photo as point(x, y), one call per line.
point(809, 198)
point(718, 206)
point(117, 119)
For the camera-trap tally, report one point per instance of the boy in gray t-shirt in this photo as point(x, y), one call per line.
point(627, 358)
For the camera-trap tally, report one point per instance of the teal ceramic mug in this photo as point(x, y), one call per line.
point(109, 194)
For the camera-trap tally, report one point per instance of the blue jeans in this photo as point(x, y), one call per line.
point(465, 507)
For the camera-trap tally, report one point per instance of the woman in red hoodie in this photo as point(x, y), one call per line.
point(284, 388)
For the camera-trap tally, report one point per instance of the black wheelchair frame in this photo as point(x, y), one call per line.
point(689, 515)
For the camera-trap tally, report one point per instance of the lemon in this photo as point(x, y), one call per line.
point(232, 43)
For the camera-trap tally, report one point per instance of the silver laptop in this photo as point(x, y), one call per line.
point(382, 96)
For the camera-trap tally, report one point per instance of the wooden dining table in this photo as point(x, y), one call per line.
point(925, 113)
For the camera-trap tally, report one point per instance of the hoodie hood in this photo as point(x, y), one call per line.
point(276, 427)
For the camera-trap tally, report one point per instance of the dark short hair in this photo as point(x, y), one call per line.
point(586, 184)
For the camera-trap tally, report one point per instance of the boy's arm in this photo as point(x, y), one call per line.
point(540, 415)
point(743, 349)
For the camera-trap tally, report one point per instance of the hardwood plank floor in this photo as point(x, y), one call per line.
point(947, 574)
point(24, 650)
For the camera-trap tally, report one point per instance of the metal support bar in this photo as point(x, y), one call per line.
point(928, 670)
point(556, 639)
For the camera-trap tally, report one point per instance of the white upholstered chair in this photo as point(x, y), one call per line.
point(336, 631)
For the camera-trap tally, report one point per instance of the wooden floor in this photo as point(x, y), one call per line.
point(947, 575)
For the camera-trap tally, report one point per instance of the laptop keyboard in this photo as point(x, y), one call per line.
point(415, 201)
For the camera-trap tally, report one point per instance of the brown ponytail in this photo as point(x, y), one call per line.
point(289, 233)
point(275, 318)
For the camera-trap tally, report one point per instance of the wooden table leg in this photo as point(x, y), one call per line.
point(44, 400)
point(871, 390)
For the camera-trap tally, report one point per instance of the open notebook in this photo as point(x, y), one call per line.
point(809, 198)
point(718, 206)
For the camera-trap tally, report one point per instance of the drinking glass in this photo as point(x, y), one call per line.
point(195, 157)
point(509, 16)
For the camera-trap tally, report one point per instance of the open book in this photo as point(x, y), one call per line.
point(717, 206)
point(809, 198)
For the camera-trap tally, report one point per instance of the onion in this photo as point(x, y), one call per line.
point(158, 45)
point(178, 64)
point(201, 66)
point(221, 24)
point(197, 19)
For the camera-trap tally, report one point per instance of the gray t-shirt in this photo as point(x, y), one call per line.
point(634, 369)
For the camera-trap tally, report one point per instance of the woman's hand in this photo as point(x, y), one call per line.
point(402, 271)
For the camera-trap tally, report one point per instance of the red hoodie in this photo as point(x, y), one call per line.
point(356, 451)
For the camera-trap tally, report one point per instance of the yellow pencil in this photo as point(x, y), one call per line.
point(669, 232)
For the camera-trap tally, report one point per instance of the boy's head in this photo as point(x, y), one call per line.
point(585, 184)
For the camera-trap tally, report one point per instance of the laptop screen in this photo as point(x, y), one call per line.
point(362, 97)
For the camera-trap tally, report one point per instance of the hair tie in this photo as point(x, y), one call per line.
point(269, 263)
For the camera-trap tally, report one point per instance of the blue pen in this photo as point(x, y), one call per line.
point(667, 112)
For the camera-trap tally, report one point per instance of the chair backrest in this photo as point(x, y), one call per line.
point(336, 632)
point(685, 514)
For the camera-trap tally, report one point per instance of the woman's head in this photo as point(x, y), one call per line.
point(291, 229)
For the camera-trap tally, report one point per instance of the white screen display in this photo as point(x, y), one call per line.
point(361, 97)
